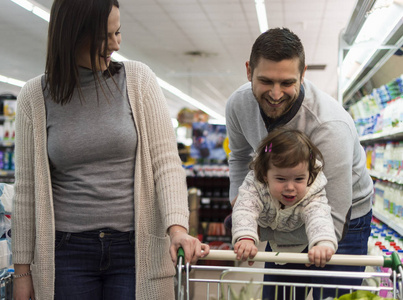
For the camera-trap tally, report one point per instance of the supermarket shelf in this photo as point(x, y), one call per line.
point(388, 219)
point(390, 178)
point(6, 173)
point(394, 133)
point(4, 118)
point(6, 144)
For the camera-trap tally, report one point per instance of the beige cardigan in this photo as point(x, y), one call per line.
point(160, 194)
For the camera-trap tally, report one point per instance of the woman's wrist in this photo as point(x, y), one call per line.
point(21, 268)
point(174, 229)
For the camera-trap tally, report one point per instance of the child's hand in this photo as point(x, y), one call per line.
point(319, 255)
point(245, 249)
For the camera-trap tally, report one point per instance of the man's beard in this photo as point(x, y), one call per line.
point(273, 112)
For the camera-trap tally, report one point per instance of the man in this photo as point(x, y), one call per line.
point(279, 95)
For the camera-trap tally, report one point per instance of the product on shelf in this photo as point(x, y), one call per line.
point(384, 241)
point(388, 198)
point(212, 185)
point(381, 111)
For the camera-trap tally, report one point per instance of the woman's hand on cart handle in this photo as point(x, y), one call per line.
point(193, 248)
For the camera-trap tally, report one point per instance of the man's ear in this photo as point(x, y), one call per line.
point(248, 71)
point(303, 75)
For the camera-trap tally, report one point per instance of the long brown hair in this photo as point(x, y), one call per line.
point(73, 23)
point(286, 148)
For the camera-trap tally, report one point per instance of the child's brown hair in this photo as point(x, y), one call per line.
point(286, 148)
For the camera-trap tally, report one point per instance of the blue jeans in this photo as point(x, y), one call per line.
point(95, 265)
point(355, 242)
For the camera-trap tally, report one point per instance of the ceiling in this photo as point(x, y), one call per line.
point(198, 46)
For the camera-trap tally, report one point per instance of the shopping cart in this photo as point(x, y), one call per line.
point(224, 285)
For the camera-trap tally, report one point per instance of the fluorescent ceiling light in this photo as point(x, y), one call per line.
point(35, 8)
point(261, 15)
point(173, 90)
point(41, 13)
point(38, 10)
point(12, 81)
point(24, 4)
point(370, 38)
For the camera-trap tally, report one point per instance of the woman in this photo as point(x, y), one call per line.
point(100, 204)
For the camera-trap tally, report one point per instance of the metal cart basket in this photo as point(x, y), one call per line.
point(224, 284)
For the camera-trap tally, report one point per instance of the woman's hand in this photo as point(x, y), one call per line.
point(192, 247)
point(245, 249)
point(320, 255)
point(23, 288)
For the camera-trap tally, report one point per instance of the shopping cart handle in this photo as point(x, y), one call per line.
point(181, 253)
point(302, 258)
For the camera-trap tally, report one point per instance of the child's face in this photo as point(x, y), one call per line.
point(288, 185)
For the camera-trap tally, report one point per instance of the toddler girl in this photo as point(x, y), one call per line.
point(285, 190)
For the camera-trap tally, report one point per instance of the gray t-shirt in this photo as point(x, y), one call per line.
point(91, 148)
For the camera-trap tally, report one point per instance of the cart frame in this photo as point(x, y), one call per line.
point(222, 283)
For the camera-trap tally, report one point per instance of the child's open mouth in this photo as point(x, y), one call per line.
point(289, 198)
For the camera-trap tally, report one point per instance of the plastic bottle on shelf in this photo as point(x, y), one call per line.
point(387, 118)
point(390, 196)
point(382, 237)
point(394, 114)
point(400, 113)
point(372, 244)
point(379, 157)
point(386, 203)
point(399, 195)
point(394, 169)
point(387, 163)
point(7, 129)
point(397, 157)
point(400, 160)
point(398, 202)
point(368, 153)
point(379, 195)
